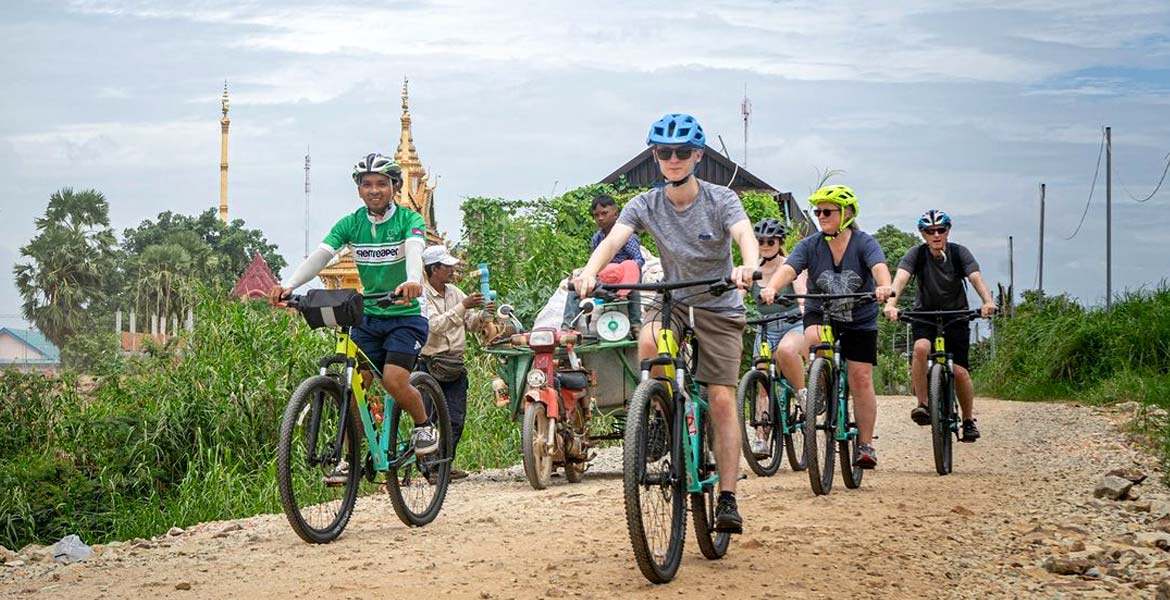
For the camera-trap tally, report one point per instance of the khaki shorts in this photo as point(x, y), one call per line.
point(720, 340)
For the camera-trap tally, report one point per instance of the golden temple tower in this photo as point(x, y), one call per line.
point(416, 194)
point(223, 160)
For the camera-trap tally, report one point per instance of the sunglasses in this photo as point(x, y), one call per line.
point(935, 230)
point(825, 212)
point(682, 153)
point(767, 241)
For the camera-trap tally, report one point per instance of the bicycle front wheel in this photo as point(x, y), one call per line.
point(819, 426)
point(419, 485)
point(794, 445)
point(317, 466)
point(761, 420)
point(653, 481)
point(940, 420)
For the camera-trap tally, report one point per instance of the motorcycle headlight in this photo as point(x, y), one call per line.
point(541, 338)
point(536, 379)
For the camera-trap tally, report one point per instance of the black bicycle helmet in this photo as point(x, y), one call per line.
point(771, 228)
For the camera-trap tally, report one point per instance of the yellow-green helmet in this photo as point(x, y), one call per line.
point(841, 196)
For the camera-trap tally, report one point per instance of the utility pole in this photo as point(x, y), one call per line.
point(306, 202)
point(1011, 274)
point(745, 108)
point(1041, 275)
point(1108, 219)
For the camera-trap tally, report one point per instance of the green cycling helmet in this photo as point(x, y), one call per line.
point(841, 196)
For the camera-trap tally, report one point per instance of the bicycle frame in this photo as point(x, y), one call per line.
point(781, 389)
point(348, 354)
point(829, 348)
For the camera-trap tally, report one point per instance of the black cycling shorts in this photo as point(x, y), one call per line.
point(957, 336)
point(857, 345)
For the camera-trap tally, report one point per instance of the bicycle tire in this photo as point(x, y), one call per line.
point(747, 395)
point(426, 475)
point(794, 444)
point(538, 463)
point(819, 426)
point(303, 493)
point(712, 544)
point(940, 420)
point(851, 474)
point(652, 408)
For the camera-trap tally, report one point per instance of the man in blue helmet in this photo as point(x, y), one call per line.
point(693, 224)
point(941, 268)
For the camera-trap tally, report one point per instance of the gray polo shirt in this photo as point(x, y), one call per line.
point(694, 243)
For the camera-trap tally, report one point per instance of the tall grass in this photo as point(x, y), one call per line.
point(1057, 349)
point(175, 439)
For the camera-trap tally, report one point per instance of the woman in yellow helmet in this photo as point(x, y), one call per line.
point(842, 259)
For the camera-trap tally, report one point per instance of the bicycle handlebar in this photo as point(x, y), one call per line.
point(385, 299)
point(936, 317)
point(724, 283)
point(763, 320)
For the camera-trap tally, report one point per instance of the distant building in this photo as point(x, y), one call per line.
point(641, 171)
point(256, 281)
point(27, 350)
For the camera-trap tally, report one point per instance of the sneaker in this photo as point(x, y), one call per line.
point(920, 415)
point(727, 519)
point(425, 439)
point(970, 431)
point(338, 476)
point(761, 448)
point(866, 456)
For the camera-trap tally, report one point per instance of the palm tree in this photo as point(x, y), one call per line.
point(69, 263)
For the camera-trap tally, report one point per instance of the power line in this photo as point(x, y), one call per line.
point(1092, 187)
point(1156, 188)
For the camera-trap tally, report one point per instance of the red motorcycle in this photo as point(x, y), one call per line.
point(555, 429)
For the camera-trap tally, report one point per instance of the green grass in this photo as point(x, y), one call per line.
point(177, 438)
point(1058, 350)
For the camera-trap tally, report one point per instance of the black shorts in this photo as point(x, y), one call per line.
point(957, 336)
point(857, 345)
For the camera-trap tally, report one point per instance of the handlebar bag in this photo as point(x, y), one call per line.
point(332, 308)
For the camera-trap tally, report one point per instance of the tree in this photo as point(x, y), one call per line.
point(70, 264)
point(218, 253)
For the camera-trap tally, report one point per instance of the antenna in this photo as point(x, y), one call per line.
point(307, 162)
point(745, 108)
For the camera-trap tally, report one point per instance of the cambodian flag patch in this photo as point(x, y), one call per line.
point(417, 231)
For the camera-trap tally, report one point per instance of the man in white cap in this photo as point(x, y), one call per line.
point(450, 314)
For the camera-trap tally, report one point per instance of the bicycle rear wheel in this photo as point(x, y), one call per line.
point(847, 450)
point(794, 444)
point(418, 487)
point(820, 426)
point(759, 422)
point(940, 419)
point(712, 544)
point(653, 482)
point(318, 481)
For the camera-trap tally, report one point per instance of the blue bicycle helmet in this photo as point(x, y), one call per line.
point(677, 129)
point(934, 218)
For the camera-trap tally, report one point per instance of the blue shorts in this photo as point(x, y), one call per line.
point(777, 330)
point(393, 340)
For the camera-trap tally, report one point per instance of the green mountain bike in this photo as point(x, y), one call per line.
point(945, 418)
point(768, 406)
point(667, 454)
point(828, 419)
point(319, 461)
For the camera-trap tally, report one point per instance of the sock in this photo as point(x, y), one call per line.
point(426, 423)
point(727, 496)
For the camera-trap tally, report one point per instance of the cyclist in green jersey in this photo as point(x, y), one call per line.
point(387, 242)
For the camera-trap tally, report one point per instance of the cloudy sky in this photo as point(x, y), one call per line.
point(967, 107)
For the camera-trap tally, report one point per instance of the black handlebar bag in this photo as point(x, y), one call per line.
point(332, 308)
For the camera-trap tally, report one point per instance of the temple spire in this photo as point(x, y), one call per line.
point(224, 122)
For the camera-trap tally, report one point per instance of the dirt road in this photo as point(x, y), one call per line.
point(1019, 497)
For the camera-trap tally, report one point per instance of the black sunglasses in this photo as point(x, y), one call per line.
point(825, 212)
point(935, 230)
point(682, 153)
point(767, 241)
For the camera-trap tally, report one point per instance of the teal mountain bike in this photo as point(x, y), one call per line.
point(769, 410)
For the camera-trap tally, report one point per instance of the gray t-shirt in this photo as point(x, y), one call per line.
point(694, 243)
point(942, 285)
point(853, 275)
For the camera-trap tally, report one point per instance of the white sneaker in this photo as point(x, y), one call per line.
point(338, 476)
point(761, 448)
point(425, 439)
